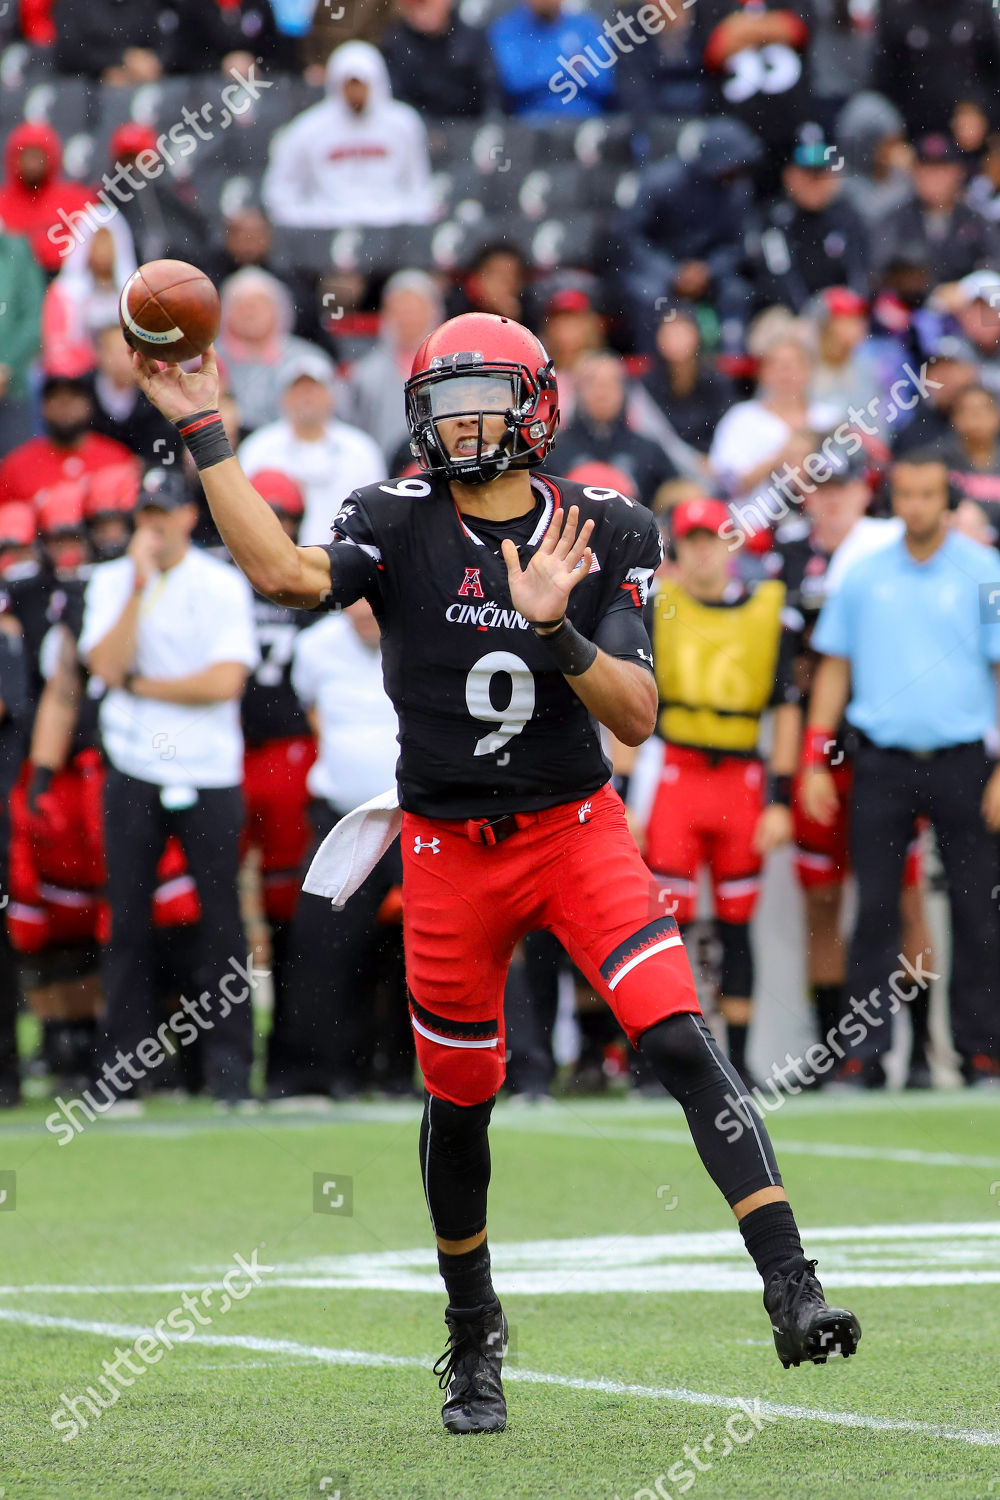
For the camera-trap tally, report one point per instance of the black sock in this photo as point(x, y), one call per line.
point(467, 1278)
point(736, 1045)
point(920, 1020)
point(829, 1002)
point(772, 1237)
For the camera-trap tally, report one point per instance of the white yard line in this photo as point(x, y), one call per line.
point(978, 1437)
point(711, 1261)
point(548, 1125)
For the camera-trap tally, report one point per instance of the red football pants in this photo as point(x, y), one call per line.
point(822, 856)
point(706, 813)
point(573, 869)
point(275, 798)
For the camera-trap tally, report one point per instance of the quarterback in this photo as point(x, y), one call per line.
point(511, 609)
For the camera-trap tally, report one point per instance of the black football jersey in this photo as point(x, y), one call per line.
point(487, 723)
point(271, 711)
point(39, 602)
point(87, 734)
point(803, 569)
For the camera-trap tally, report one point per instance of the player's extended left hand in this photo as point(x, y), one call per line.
point(540, 591)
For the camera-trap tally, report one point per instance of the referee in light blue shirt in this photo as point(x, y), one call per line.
point(910, 645)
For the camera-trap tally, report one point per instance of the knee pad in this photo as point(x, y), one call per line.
point(455, 1125)
point(736, 968)
point(455, 1165)
point(675, 1048)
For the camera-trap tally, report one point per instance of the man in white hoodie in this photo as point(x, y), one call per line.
point(359, 157)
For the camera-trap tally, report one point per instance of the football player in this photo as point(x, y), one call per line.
point(722, 654)
point(279, 746)
point(511, 609)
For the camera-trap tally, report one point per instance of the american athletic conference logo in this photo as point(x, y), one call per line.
point(488, 615)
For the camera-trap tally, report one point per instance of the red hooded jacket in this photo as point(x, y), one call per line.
point(32, 212)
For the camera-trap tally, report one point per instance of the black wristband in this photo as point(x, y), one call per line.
point(572, 652)
point(779, 790)
point(205, 437)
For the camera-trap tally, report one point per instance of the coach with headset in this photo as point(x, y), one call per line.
point(910, 647)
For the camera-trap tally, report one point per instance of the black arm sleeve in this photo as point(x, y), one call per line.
point(355, 559)
point(14, 682)
point(786, 688)
point(623, 633)
point(352, 576)
point(622, 629)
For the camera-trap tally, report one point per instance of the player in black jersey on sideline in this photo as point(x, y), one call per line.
point(510, 604)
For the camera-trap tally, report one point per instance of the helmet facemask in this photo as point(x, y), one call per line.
point(465, 388)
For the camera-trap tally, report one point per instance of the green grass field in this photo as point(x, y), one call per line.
point(637, 1326)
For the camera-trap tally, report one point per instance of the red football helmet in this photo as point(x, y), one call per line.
point(59, 508)
point(113, 491)
point(480, 365)
point(17, 524)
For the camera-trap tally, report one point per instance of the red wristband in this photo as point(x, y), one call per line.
point(816, 748)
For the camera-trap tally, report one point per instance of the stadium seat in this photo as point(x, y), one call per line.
point(566, 188)
point(69, 105)
point(546, 244)
point(605, 139)
point(495, 145)
point(157, 104)
point(22, 64)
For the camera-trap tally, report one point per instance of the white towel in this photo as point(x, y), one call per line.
point(350, 852)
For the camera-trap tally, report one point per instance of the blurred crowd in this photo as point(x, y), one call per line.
point(761, 243)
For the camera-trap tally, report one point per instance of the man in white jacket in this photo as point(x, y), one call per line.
point(326, 458)
point(359, 157)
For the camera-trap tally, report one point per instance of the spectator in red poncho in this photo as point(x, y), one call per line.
point(33, 191)
point(68, 448)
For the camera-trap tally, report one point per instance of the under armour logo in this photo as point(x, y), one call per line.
point(584, 813)
point(644, 655)
point(419, 845)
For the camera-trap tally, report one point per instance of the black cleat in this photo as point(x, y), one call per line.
point(805, 1328)
point(469, 1370)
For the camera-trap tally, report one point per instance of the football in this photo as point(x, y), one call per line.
point(169, 310)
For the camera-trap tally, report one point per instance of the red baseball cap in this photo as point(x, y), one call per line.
point(130, 139)
point(17, 524)
point(842, 302)
point(571, 299)
point(699, 515)
point(607, 476)
point(279, 490)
